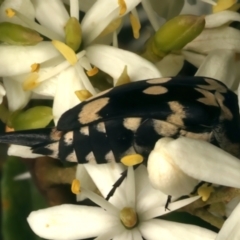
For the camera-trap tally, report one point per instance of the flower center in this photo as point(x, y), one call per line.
point(128, 217)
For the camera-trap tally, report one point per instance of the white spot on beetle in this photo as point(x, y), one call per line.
point(101, 127)
point(178, 113)
point(68, 138)
point(132, 123)
point(164, 128)
point(84, 130)
point(90, 111)
point(91, 158)
point(208, 99)
point(110, 157)
point(72, 157)
point(155, 90)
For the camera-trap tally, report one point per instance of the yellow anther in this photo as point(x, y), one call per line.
point(128, 217)
point(205, 191)
point(131, 160)
point(83, 94)
point(112, 26)
point(66, 51)
point(223, 5)
point(124, 78)
point(136, 25)
point(35, 67)
point(92, 72)
point(9, 129)
point(31, 82)
point(122, 7)
point(76, 186)
point(10, 12)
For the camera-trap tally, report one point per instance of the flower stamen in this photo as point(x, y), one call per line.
point(128, 217)
point(83, 94)
point(135, 23)
point(205, 191)
point(92, 72)
point(35, 67)
point(10, 12)
point(76, 186)
point(122, 7)
point(66, 51)
point(31, 82)
point(131, 160)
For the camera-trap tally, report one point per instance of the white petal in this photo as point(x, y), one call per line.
point(194, 58)
point(164, 175)
point(170, 65)
point(23, 6)
point(21, 151)
point(199, 8)
point(44, 14)
point(161, 210)
point(144, 192)
point(113, 60)
point(85, 180)
point(70, 222)
point(221, 18)
point(100, 15)
point(210, 39)
point(167, 230)
point(65, 98)
point(17, 60)
point(219, 64)
point(47, 88)
point(204, 161)
point(17, 97)
point(104, 176)
point(230, 229)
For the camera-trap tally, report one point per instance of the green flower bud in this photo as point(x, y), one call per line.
point(173, 36)
point(18, 35)
point(36, 117)
point(73, 33)
point(176, 33)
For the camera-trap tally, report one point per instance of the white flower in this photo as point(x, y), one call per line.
point(213, 51)
point(135, 202)
point(57, 78)
point(176, 166)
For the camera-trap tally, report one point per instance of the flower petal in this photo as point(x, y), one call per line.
point(165, 175)
point(17, 60)
point(44, 13)
point(230, 229)
point(221, 18)
point(17, 97)
point(219, 64)
point(70, 222)
point(100, 15)
point(113, 60)
point(194, 58)
point(174, 231)
point(210, 39)
point(23, 6)
point(170, 65)
point(68, 82)
point(213, 164)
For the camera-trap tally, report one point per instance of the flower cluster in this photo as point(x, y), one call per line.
point(66, 51)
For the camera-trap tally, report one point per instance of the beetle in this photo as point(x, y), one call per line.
point(130, 118)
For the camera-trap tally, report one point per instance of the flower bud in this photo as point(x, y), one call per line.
point(18, 35)
point(36, 117)
point(175, 34)
point(73, 33)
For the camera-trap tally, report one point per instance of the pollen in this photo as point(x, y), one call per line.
point(66, 51)
point(76, 186)
point(136, 26)
point(35, 67)
point(83, 94)
point(31, 82)
point(128, 217)
point(131, 160)
point(92, 71)
point(122, 7)
point(205, 191)
point(10, 12)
